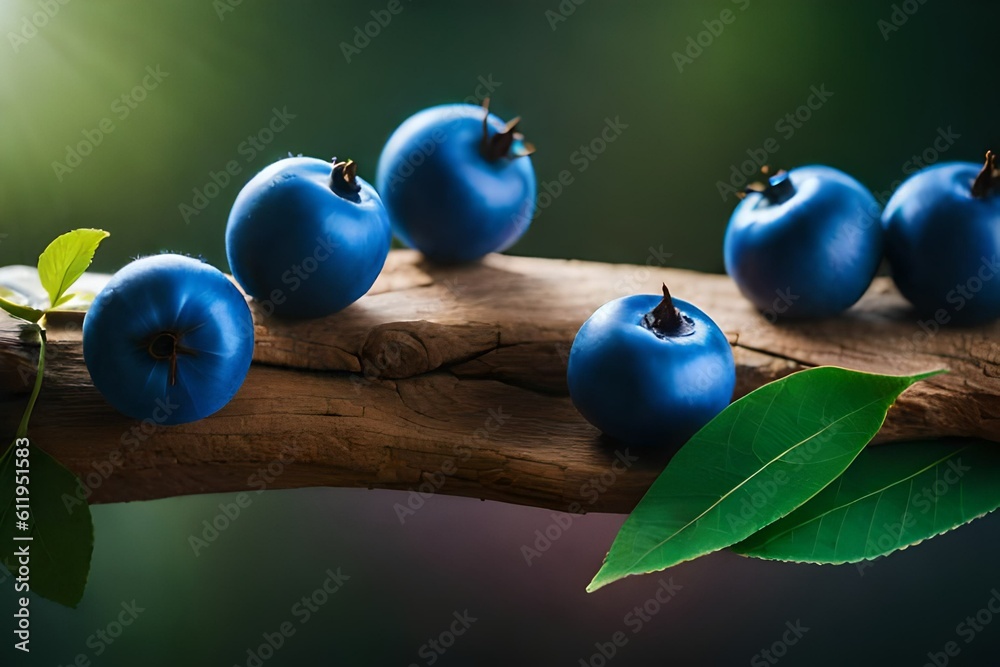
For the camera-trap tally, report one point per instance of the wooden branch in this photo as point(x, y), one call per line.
point(453, 380)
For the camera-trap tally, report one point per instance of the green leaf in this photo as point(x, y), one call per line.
point(890, 498)
point(24, 312)
point(62, 534)
point(63, 299)
point(66, 259)
point(83, 299)
point(758, 460)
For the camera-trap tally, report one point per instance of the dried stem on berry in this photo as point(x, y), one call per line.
point(494, 147)
point(665, 320)
point(344, 177)
point(988, 179)
point(165, 346)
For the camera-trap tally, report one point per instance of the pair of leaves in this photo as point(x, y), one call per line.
point(62, 535)
point(772, 453)
point(59, 266)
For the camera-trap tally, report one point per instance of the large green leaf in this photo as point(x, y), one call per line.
point(890, 498)
point(62, 538)
point(758, 460)
point(65, 260)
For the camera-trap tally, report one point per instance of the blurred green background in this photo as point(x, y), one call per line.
point(907, 79)
point(656, 185)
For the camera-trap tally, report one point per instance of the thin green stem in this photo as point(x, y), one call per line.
point(22, 430)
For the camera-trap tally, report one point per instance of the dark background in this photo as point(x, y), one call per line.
point(654, 187)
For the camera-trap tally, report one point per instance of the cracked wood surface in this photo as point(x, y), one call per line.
point(452, 380)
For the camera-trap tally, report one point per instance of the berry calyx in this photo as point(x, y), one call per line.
point(344, 179)
point(988, 180)
point(165, 346)
point(500, 144)
point(666, 321)
point(778, 188)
